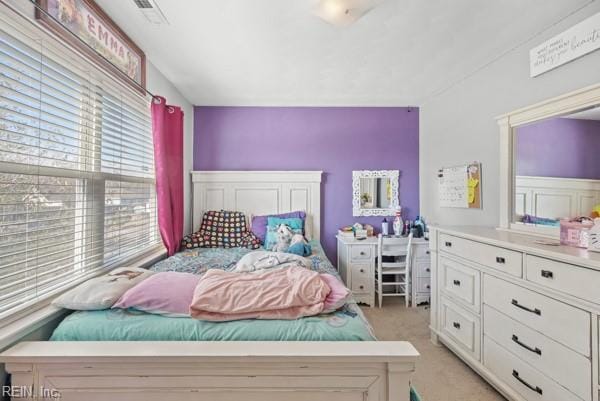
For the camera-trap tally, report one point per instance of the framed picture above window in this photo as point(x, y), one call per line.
point(102, 39)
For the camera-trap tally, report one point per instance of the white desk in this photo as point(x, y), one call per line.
point(356, 265)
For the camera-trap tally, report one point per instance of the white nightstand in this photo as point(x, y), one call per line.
point(356, 265)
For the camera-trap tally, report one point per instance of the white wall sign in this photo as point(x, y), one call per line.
point(573, 43)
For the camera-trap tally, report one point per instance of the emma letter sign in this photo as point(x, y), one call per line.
point(89, 23)
point(573, 43)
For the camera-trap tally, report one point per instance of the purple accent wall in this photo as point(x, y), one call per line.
point(336, 140)
point(559, 147)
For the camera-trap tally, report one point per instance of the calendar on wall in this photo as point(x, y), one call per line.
point(460, 186)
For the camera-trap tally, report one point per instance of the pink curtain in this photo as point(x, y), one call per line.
point(167, 130)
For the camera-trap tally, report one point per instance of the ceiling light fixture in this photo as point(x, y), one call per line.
point(342, 12)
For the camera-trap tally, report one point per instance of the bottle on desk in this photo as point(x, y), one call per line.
point(398, 223)
point(384, 227)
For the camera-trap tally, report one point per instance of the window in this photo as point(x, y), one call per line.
point(77, 189)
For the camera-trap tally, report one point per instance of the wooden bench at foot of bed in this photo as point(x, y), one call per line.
point(213, 371)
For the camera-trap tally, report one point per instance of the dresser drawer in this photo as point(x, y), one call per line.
point(421, 251)
point(461, 326)
point(505, 260)
point(461, 282)
point(561, 322)
point(361, 278)
point(546, 355)
point(361, 253)
point(422, 269)
point(574, 280)
point(530, 383)
point(423, 285)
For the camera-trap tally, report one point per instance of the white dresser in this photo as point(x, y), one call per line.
point(522, 314)
point(356, 265)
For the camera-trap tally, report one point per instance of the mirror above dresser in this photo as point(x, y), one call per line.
point(557, 168)
point(549, 162)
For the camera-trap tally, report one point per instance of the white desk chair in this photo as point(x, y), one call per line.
point(400, 251)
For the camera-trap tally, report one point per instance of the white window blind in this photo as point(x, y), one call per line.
point(77, 186)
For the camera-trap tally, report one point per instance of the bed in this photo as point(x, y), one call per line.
point(346, 324)
point(131, 355)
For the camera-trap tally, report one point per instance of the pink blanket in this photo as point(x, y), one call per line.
point(274, 294)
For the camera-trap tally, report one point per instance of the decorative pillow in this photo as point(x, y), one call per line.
point(294, 223)
point(338, 296)
point(191, 241)
point(165, 293)
point(250, 241)
point(271, 239)
point(259, 223)
point(221, 229)
point(262, 260)
point(102, 292)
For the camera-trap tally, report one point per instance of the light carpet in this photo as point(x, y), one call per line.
point(440, 375)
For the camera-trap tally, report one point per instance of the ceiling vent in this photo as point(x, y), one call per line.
point(151, 11)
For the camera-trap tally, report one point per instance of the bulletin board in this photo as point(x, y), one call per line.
point(460, 186)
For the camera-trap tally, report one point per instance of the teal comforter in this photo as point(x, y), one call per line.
point(346, 324)
point(129, 325)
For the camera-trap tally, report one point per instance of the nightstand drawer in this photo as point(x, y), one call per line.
point(423, 285)
point(361, 278)
point(422, 269)
point(361, 253)
point(421, 251)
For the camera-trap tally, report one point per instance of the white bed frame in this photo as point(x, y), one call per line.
point(222, 371)
point(555, 197)
point(259, 193)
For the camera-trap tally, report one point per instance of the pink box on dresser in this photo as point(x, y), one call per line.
point(575, 232)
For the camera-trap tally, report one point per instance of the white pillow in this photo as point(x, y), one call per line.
point(102, 292)
point(261, 260)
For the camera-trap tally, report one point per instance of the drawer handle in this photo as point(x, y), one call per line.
point(427, 252)
point(456, 282)
point(362, 270)
point(547, 274)
point(456, 325)
point(518, 305)
point(428, 269)
point(448, 244)
point(362, 287)
point(362, 253)
point(523, 382)
point(535, 350)
point(500, 259)
point(428, 286)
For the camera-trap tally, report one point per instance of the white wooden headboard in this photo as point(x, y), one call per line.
point(555, 197)
point(259, 193)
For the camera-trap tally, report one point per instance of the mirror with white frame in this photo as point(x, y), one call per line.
point(375, 193)
point(556, 169)
point(549, 164)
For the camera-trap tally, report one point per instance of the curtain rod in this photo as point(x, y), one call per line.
point(132, 81)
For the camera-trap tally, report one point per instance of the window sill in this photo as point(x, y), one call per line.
point(43, 312)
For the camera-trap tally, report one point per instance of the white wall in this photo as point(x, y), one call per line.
point(159, 85)
point(458, 125)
